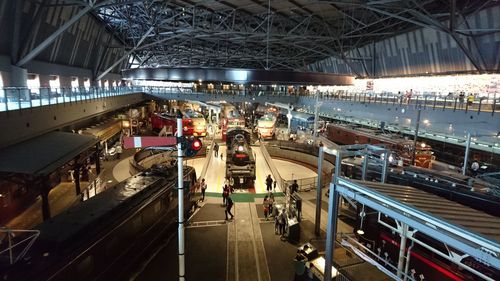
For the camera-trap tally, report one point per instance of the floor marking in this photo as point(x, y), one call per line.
point(254, 245)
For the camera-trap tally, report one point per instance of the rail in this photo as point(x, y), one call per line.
point(16, 242)
point(208, 158)
point(277, 177)
point(305, 184)
point(489, 102)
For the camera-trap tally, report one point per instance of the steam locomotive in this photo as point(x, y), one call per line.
point(110, 232)
point(240, 162)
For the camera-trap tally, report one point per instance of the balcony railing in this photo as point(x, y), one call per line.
point(487, 103)
point(13, 98)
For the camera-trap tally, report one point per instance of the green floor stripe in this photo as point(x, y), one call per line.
point(244, 197)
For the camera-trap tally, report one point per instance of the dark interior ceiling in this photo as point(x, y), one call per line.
point(272, 34)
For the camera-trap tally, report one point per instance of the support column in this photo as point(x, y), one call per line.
point(97, 159)
point(317, 222)
point(331, 229)
point(44, 192)
point(466, 156)
point(76, 177)
point(18, 76)
point(402, 249)
point(364, 168)
point(416, 136)
point(289, 118)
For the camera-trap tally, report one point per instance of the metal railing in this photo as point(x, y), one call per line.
point(15, 98)
point(485, 103)
point(15, 243)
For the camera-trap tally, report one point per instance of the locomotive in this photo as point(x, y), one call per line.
point(114, 230)
point(240, 161)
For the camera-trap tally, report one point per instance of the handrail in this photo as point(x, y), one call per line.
point(475, 245)
point(208, 159)
point(277, 177)
point(10, 235)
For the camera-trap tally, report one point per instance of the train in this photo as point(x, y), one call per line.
point(193, 123)
point(266, 126)
point(352, 134)
point(302, 121)
point(240, 160)
point(112, 231)
point(231, 119)
point(423, 262)
point(197, 121)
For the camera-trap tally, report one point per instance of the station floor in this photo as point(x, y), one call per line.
point(245, 248)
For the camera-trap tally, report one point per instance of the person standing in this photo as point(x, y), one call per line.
point(119, 151)
point(216, 150)
point(475, 168)
point(229, 205)
point(270, 203)
point(294, 187)
point(274, 186)
point(203, 186)
point(269, 183)
point(282, 223)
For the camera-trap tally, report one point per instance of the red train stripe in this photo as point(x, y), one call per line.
point(437, 267)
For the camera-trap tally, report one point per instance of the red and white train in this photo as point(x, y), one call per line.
point(193, 123)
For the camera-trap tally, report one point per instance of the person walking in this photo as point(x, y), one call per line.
point(203, 186)
point(269, 183)
point(225, 194)
point(229, 205)
point(216, 150)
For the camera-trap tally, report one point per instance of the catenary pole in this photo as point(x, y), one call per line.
point(466, 156)
point(180, 197)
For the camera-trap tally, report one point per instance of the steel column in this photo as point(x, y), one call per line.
point(331, 229)
point(180, 197)
point(466, 156)
point(416, 136)
point(402, 248)
point(318, 192)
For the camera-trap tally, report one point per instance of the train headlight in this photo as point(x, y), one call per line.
point(240, 148)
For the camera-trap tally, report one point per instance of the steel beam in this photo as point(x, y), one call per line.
point(49, 40)
point(126, 55)
point(476, 246)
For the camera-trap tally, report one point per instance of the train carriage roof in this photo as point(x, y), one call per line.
point(305, 117)
point(455, 213)
point(97, 210)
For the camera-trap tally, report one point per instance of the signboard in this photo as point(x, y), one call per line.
point(138, 142)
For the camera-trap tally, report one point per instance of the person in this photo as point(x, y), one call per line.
point(270, 203)
point(229, 182)
point(461, 97)
point(274, 186)
point(203, 186)
point(222, 156)
point(475, 168)
point(294, 187)
point(269, 183)
point(470, 99)
point(119, 151)
point(216, 150)
point(225, 194)
point(265, 205)
point(229, 205)
point(276, 224)
point(282, 223)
